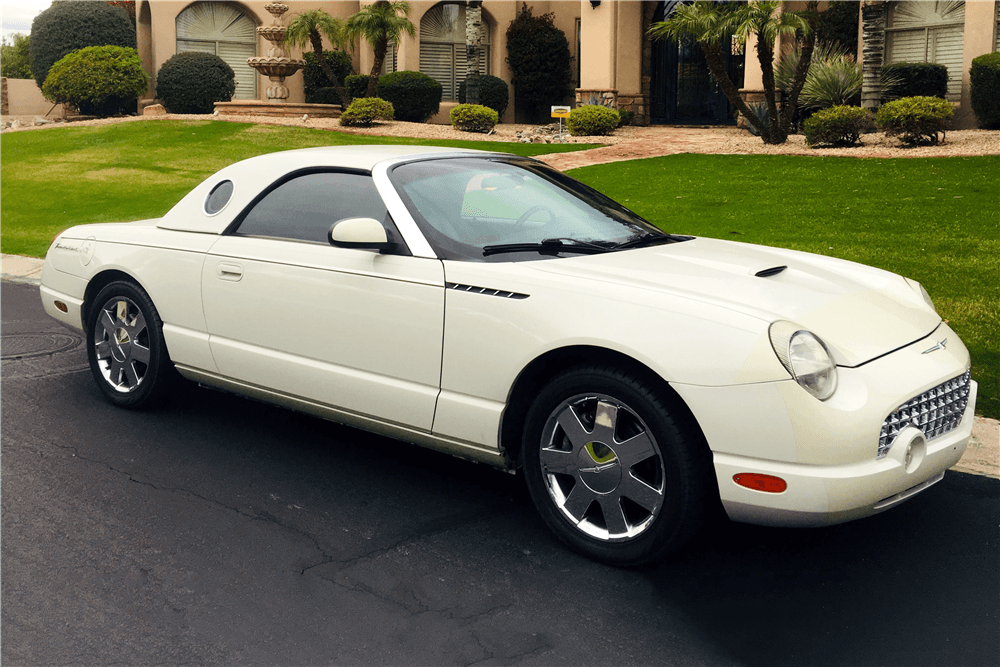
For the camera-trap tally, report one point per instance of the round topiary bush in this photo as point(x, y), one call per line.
point(314, 79)
point(414, 95)
point(837, 126)
point(916, 120)
point(356, 85)
point(192, 82)
point(493, 93)
point(985, 73)
point(591, 120)
point(97, 80)
point(473, 118)
point(366, 110)
point(917, 79)
point(70, 26)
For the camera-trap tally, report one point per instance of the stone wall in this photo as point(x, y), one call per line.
point(3, 97)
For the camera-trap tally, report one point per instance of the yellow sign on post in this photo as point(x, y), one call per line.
point(560, 112)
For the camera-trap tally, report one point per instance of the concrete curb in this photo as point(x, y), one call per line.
point(981, 458)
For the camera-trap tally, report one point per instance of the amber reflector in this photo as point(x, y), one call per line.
point(758, 482)
point(62, 306)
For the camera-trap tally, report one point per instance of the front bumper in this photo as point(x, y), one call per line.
point(826, 451)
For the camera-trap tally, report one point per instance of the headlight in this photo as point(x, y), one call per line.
point(805, 357)
point(919, 289)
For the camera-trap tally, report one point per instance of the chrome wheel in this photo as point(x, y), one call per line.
point(121, 344)
point(602, 467)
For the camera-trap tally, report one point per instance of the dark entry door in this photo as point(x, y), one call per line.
point(682, 90)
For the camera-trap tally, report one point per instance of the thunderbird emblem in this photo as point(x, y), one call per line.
point(599, 468)
point(942, 344)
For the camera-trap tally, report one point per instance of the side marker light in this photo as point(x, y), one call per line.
point(61, 306)
point(759, 482)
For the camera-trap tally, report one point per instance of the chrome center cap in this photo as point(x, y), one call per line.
point(599, 467)
point(120, 345)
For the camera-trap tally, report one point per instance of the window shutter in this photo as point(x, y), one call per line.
point(185, 45)
point(933, 32)
point(437, 61)
point(236, 56)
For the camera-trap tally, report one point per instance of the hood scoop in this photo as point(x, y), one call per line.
point(773, 271)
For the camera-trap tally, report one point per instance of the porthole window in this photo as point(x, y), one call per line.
point(218, 197)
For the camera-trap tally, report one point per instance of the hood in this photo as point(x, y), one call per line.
point(859, 311)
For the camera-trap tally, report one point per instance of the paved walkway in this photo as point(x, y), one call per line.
point(981, 458)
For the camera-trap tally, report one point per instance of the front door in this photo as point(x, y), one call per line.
point(348, 328)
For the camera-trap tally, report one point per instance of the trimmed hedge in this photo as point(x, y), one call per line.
point(324, 96)
point(917, 79)
point(837, 126)
point(366, 110)
point(473, 118)
point(493, 93)
point(591, 120)
point(192, 82)
point(985, 73)
point(414, 95)
point(916, 120)
point(540, 63)
point(98, 80)
point(356, 85)
point(313, 78)
point(70, 26)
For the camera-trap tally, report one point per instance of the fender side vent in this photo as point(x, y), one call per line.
point(486, 290)
point(773, 271)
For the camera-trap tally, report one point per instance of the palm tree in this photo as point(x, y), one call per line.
point(306, 28)
point(711, 24)
point(473, 35)
point(380, 23)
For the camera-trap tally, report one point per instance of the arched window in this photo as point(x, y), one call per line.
point(442, 46)
point(928, 32)
point(225, 29)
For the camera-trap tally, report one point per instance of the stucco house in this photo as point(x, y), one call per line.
point(661, 82)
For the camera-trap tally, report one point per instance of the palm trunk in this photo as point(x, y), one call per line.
point(717, 66)
point(317, 46)
point(765, 56)
point(473, 25)
point(381, 48)
point(805, 60)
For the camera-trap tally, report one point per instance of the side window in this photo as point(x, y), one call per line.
point(304, 208)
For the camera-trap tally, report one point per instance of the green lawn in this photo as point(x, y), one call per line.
point(56, 178)
point(936, 220)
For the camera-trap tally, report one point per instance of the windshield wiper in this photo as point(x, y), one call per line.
point(649, 239)
point(554, 245)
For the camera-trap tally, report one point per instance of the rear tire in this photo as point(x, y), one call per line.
point(615, 468)
point(128, 356)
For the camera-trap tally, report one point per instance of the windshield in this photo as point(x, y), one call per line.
point(510, 209)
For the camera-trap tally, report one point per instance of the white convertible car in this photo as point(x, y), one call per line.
point(490, 307)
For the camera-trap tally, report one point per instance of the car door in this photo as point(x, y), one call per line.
point(344, 327)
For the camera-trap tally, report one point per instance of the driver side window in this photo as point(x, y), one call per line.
point(305, 207)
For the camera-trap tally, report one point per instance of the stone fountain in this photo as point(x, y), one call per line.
point(277, 64)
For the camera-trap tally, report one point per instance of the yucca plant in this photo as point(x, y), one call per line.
point(834, 77)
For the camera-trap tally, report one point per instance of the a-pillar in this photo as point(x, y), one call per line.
point(611, 39)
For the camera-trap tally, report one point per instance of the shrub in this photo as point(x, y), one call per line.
point(324, 96)
point(356, 85)
point(916, 119)
point(493, 93)
point(539, 59)
point(192, 82)
point(414, 95)
point(985, 74)
point(839, 23)
point(761, 113)
point(834, 78)
point(592, 119)
point(15, 58)
point(625, 117)
point(97, 80)
point(69, 26)
point(837, 126)
point(313, 78)
point(916, 80)
point(473, 118)
point(366, 110)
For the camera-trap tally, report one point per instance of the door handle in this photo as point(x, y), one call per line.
point(227, 271)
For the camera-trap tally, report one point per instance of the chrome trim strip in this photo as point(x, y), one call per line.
point(457, 448)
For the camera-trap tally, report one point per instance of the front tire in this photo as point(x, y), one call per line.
point(125, 346)
point(615, 467)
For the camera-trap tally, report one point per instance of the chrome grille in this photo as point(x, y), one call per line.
point(935, 412)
